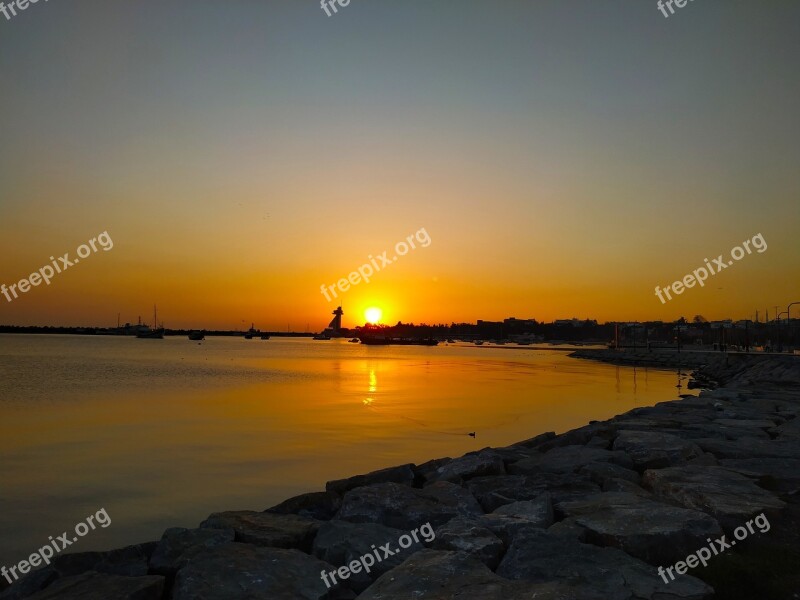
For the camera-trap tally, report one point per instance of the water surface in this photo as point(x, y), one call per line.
point(161, 433)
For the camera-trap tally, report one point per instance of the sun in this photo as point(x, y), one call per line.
point(373, 315)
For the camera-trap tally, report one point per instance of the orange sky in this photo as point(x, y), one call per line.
point(562, 162)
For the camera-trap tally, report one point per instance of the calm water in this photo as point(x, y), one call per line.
point(161, 433)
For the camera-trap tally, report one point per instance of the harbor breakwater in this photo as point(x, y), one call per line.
point(588, 514)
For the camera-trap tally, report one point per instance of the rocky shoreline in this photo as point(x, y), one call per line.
point(588, 514)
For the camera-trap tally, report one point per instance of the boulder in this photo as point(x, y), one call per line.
point(340, 542)
point(651, 531)
point(266, 529)
point(746, 423)
point(441, 575)
point(428, 469)
point(102, 586)
point(493, 492)
point(776, 474)
point(537, 441)
point(580, 436)
point(590, 571)
point(315, 505)
point(130, 561)
point(482, 463)
point(407, 508)
point(178, 546)
point(567, 459)
point(29, 584)
point(403, 474)
point(253, 572)
point(468, 536)
point(750, 448)
point(623, 485)
point(651, 450)
point(729, 497)
point(600, 472)
point(505, 527)
point(538, 512)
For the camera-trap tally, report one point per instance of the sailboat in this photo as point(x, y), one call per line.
point(155, 333)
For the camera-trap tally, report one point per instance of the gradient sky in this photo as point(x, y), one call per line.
point(564, 156)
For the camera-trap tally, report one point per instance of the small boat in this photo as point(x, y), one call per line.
point(252, 332)
point(478, 343)
point(264, 336)
point(197, 336)
point(354, 341)
point(321, 336)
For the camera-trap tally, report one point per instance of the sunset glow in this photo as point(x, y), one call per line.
point(373, 315)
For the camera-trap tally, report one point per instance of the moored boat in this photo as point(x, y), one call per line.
point(156, 333)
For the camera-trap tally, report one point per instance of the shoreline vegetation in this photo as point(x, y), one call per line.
point(591, 513)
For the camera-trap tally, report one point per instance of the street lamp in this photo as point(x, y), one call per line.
point(789, 319)
point(778, 329)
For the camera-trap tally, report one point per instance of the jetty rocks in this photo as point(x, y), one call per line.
point(590, 514)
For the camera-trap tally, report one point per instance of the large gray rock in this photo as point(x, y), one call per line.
point(504, 526)
point(403, 474)
point(130, 561)
point(252, 572)
point(590, 571)
point(652, 531)
point(30, 584)
point(568, 459)
point(486, 462)
point(538, 512)
point(538, 440)
point(623, 485)
point(341, 542)
point(407, 508)
point(514, 453)
point(315, 505)
point(101, 586)
point(580, 436)
point(746, 423)
point(266, 529)
point(722, 431)
point(178, 546)
point(467, 535)
point(729, 497)
point(440, 575)
point(777, 474)
point(428, 469)
point(750, 448)
point(600, 472)
point(650, 450)
point(493, 492)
